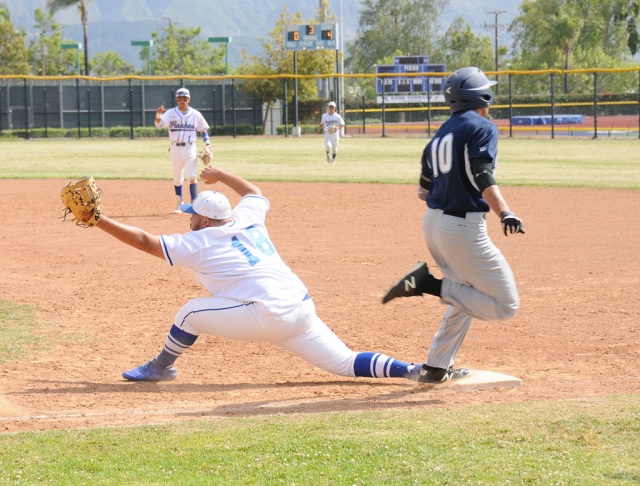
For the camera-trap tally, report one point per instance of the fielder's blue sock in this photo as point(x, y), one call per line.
point(178, 341)
point(178, 190)
point(376, 365)
point(334, 156)
point(193, 191)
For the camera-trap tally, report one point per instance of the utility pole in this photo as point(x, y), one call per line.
point(496, 27)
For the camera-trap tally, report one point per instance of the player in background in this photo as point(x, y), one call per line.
point(184, 124)
point(458, 184)
point(331, 122)
point(254, 295)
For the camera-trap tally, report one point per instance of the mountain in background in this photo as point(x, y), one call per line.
point(113, 24)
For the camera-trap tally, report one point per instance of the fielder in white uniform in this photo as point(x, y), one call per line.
point(331, 122)
point(184, 124)
point(254, 295)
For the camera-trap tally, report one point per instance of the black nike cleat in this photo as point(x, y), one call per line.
point(429, 374)
point(411, 284)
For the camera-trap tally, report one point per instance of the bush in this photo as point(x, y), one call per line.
point(304, 129)
point(120, 132)
point(226, 130)
point(150, 132)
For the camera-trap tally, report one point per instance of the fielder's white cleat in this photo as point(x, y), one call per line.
point(177, 210)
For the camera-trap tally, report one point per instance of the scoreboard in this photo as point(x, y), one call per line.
point(311, 37)
point(405, 85)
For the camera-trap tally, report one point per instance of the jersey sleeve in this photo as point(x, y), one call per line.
point(341, 121)
point(484, 142)
point(201, 124)
point(183, 250)
point(427, 167)
point(252, 208)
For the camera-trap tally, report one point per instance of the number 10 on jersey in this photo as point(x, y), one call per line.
point(442, 154)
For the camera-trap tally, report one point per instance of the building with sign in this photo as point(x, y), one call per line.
point(418, 88)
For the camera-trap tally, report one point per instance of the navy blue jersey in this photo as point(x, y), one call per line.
point(447, 161)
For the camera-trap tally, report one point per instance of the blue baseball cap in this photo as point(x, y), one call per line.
point(211, 204)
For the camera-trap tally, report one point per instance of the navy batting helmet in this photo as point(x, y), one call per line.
point(468, 88)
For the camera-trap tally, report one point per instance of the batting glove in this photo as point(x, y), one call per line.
point(511, 223)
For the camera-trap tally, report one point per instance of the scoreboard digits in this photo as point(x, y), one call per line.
point(311, 37)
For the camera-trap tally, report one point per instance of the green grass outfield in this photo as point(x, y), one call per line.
point(560, 163)
point(578, 442)
point(591, 441)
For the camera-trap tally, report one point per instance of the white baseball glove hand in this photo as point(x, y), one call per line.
point(333, 129)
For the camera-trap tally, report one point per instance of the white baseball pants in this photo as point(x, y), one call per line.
point(300, 331)
point(184, 159)
point(478, 281)
point(331, 141)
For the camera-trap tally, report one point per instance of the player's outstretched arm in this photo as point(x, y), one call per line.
point(132, 236)
point(243, 187)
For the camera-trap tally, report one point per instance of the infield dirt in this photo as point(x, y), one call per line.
point(107, 307)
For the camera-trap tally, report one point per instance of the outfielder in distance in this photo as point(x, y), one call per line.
point(459, 188)
point(254, 295)
point(331, 122)
point(184, 124)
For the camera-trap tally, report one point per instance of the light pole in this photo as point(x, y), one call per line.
point(225, 41)
point(148, 45)
point(77, 47)
point(341, 101)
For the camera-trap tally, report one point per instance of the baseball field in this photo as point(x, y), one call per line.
point(77, 308)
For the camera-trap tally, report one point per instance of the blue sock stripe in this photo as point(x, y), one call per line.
point(377, 365)
point(398, 369)
point(171, 351)
point(387, 366)
point(177, 344)
point(182, 337)
point(178, 190)
point(373, 365)
point(362, 364)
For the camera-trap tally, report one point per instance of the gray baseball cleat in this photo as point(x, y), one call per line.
point(411, 284)
point(429, 374)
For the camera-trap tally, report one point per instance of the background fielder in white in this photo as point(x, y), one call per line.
point(184, 124)
point(254, 295)
point(331, 122)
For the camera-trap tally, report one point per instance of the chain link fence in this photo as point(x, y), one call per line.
point(592, 103)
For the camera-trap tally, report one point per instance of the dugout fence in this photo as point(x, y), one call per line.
point(593, 103)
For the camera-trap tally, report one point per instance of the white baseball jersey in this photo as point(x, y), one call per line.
point(238, 261)
point(183, 127)
point(329, 121)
